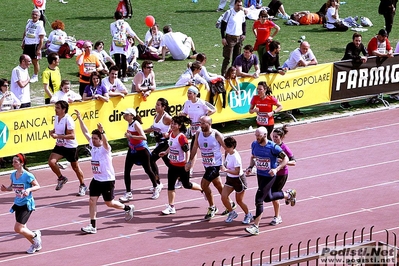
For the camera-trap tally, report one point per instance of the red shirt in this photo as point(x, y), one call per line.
point(265, 106)
point(375, 45)
point(262, 32)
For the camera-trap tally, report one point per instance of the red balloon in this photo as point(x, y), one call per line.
point(149, 21)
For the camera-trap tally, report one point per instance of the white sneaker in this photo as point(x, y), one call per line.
point(63, 2)
point(231, 217)
point(82, 190)
point(254, 171)
point(34, 79)
point(89, 229)
point(248, 218)
point(155, 193)
point(276, 220)
point(37, 241)
point(178, 185)
point(31, 249)
point(126, 197)
point(160, 185)
point(129, 213)
point(169, 210)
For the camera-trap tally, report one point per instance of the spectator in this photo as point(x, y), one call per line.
point(65, 94)
point(119, 31)
point(153, 39)
point(307, 18)
point(8, 100)
point(20, 81)
point(132, 56)
point(41, 6)
point(87, 63)
point(114, 86)
point(51, 77)
point(352, 52)
point(244, 62)
point(95, 91)
point(262, 29)
point(191, 77)
point(56, 38)
point(232, 79)
point(387, 8)
point(178, 44)
point(276, 9)
point(201, 58)
point(144, 81)
point(333, 23)
point(104, 58)
point(271, 60)
point(233, 29)
point(32, 42)
point(301, 57)
point(379, 45)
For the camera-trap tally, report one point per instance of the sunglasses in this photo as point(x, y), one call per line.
point(149, 67)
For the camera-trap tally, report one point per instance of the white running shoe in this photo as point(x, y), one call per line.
point(248, 218)
point(89, 229)
point(129, 213)
point(155, 193)
point(253, 230)
point(276, 220)
point(178, 185)
point(169, 210)
point(160, 185)
point(82, 190)
point(231, 217)
point(34, 79)
point(37, 241)
point(31, 249)
point(128, 196)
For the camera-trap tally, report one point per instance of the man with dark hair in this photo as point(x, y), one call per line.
point(51, 77)
point(233, 29)
point(271, 59)
point(244, 62)
point(20, 81)
point(114, 85)
point(178, 44)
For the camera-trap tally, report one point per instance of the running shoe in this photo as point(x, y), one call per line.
point(82, 190)
point(129, 213)
point(178, 185)
point(233, 206)
point(155, 193)
point(211, 213)
point(248, 218)
point(61, 182)
point(160, 185)
point(276, 220)
point(89, 229)
point(31, 249)
point(292, 198)
point(34, 79)
point(253, 230)
point(169, 210)
point(37, 241)
point(126, 197)
point(231, 217)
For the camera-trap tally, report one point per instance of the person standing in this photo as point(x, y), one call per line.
point(233, 29)
point(103, 182)
point(20, 81)
point(387, 8)
point(222, 4)
point(209, 141)
point(282, 175)
point(24, 183)
point(262, 104)
point(269, 159)
point(32, 42)
point(65, 146)
point(178, 154)
point(51, 77)
point(119, 45)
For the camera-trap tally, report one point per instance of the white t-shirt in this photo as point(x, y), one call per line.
point(330, 19)
point(177, 45)
point(296, 56)
point(117, 86)
point(60, 127)
point(20, 74)
point(132, 53)
point(70, 95)
point(9, 101)
point(102, 56)
point(232, 161)
point(56, 39)
point(234, 22)
point(33, 30)
point(188, 76)
point(195, 111)
point(101, 163)
point(124, 28)
point(156, 39)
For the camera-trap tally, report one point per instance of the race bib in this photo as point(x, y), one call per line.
point(58, 40)
point(60, 142)
point(263, 164)
point(95, 167)
point(173, 156)
point(262, 119)
point(30, 32)
point(19, 190)
point(89, 67)
point(208, 158)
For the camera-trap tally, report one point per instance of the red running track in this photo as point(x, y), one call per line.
point(346, 178)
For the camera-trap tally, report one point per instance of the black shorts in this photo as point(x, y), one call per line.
point(105, 188)
point(70, 154)
point(30, 49)
point(279, 183)
point(238, 183)
point(211, 173)
point(22, 213)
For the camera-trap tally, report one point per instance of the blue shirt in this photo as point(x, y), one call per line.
point(266, 156)
point(19, 186)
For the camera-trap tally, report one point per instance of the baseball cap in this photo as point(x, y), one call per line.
point(383, 32)
point(193, 90)
point(129, 111)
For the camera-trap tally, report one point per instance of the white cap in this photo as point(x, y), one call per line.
point(130, 111)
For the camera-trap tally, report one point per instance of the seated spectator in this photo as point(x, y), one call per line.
point(104, 58)
point(276, 9)
point(144, 81)
point(56, 38)
point(95, 91)
point(301, 57)
point(244, 62)
point(153, 39)
point(201, 58)
point(333, 23)
point(191, 76)
point(113, 84)
point(8, 100)
point(178, 44)
point(271, 60)
point(306, 18)
point(66, 94)
point(232, 79)
point(131, 57)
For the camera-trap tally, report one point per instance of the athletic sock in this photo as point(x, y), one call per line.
point(126, 208)
point(93, 222)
